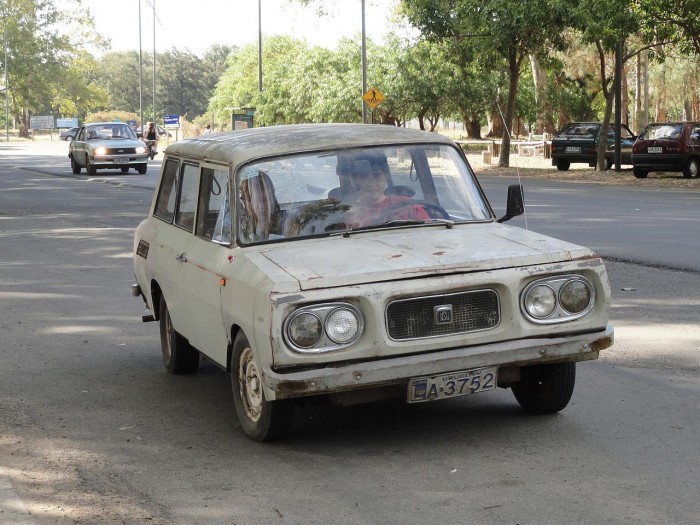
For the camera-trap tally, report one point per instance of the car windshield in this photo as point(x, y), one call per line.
point(350, 190)
point(579, 131)
point(109, 131)
point(661, 131)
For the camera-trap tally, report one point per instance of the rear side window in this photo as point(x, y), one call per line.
point(189, 192)
point(695, 133)
point(214, 220)
point(167, 193)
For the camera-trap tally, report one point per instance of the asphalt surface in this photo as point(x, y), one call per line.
point(92, 429)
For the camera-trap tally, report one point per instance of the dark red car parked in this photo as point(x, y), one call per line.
point(668, 146)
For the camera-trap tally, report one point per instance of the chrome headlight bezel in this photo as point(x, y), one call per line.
point(559, 313)
point(328, 340)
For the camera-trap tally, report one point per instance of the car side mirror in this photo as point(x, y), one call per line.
point(516, 203)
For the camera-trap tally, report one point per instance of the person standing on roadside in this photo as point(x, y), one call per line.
point(207, 130)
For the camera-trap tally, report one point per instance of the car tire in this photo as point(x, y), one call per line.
point(261, 420)
point(91, 170)
point(125, 169)
point(563, 165)
point(640, 173)
point(142, 168)
point(545, 389)
point(70, 138)
point(179, 357)
point(692, 168)
point(607, 163)
point(74, 166)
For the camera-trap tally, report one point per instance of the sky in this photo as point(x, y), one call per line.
point(195, 25)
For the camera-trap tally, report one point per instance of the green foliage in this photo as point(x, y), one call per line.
point(46, 58)
point(111, 116)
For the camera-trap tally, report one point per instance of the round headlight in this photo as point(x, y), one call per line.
point(575, 296)
point(540, 301)
point(342, 325)
point(305, 330)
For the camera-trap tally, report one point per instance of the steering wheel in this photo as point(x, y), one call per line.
point(438, 211)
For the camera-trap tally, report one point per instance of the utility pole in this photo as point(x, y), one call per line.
point(259, 46)
point(140, 75)
point(364, 65)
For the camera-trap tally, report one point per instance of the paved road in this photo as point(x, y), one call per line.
point(92, 430)
point(647, 226)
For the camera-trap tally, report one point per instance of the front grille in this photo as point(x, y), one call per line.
point(415, 318)
point(120, 151)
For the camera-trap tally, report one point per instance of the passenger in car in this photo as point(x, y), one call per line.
point(260, 213)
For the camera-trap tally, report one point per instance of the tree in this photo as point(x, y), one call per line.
point(502, 34)
point(45, 48)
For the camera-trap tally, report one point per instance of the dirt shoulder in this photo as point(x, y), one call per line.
point(537, 167)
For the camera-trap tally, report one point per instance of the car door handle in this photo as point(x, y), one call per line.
point(181, 257)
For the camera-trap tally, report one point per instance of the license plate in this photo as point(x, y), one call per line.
point(452, 384)
point(120, 160)
point(654, 149)
point(573, 149)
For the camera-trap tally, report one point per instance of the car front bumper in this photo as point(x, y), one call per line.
point(118, 161)
point(398, 370)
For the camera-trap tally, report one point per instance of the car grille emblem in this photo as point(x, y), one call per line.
point(443, 314)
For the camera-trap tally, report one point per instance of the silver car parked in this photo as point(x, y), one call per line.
point(356, 262)
point(107, 145)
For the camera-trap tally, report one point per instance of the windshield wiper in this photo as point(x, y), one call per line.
point(398, 223)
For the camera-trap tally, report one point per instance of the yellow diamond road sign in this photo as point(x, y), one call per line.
point(373, 97)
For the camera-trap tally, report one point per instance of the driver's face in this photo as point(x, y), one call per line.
point(370, 183)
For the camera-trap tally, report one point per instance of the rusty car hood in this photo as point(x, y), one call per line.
point(414, 252)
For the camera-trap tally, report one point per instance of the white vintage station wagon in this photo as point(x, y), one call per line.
point(358, 262)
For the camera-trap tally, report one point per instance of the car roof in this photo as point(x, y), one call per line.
point(237, 147)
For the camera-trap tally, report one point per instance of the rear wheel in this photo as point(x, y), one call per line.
point(640, 173)
point(179, 357)
point(261, 420)
point(563, 165)
point(607, 164)
point(545, 389)
point(692, 168)
point(74, 166)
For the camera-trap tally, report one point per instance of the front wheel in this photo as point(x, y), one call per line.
point(261, 420)
point(125, 169)
point(179, 357)
point(545, 389)
point(691, 168)
point(91, 170)
point(141, 169)
point(74, 166)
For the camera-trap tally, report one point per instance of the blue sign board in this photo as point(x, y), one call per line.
point(171, 121)
point(66, 122)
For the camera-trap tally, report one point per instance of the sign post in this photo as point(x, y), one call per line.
point(373, 98)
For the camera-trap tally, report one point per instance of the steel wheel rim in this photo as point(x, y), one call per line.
point(169, 336)
point(250, 385)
